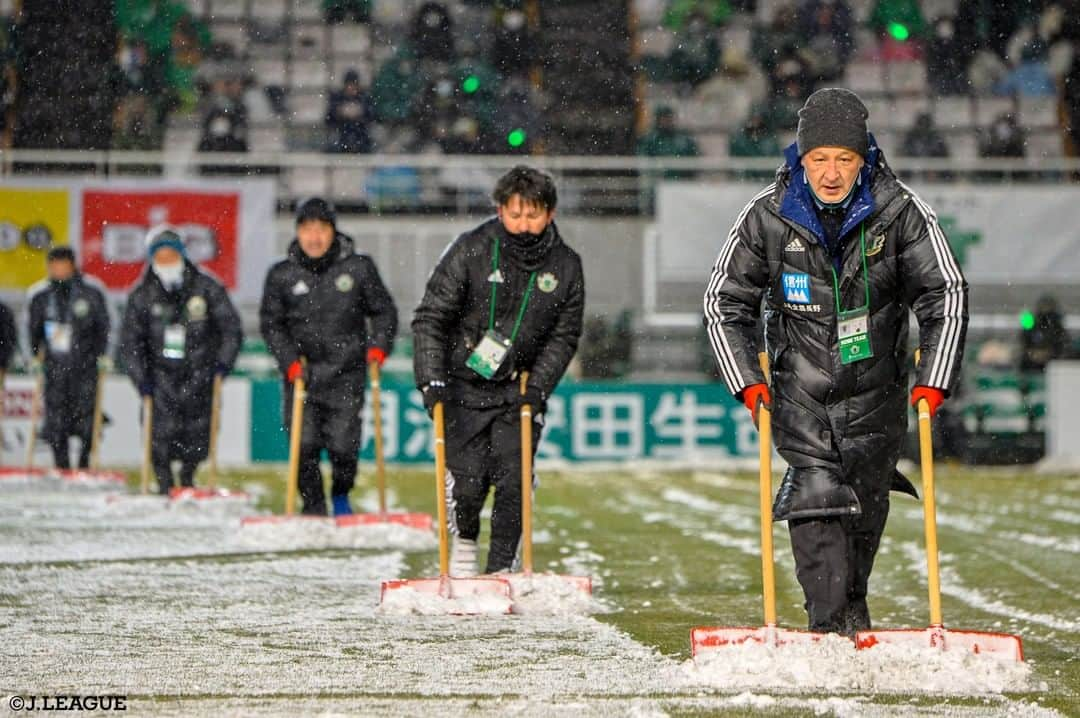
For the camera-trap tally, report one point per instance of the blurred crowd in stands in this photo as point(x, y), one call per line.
point(435, 86)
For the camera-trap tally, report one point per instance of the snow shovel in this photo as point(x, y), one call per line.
point(705, 639)
point(35, 409)
point(936, 635)
point(296, 426)
point(211, 491)
point(446, 586)
point(95, 431)
point(148, 426)
point(423, 522)
point(574, 583)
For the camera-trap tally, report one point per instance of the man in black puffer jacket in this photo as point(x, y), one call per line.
point(180, 329)
point(316, 307)
point(505, 298)
point(840, 251)
point(69, 326)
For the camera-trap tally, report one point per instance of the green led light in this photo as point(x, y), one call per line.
point(899, 31)
point(470, 84)
point(1027, 321)
point(516, 138)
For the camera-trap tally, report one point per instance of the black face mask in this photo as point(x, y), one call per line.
point(528, 250)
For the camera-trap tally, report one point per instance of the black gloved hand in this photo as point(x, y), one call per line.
point(434, 392)
point(534, 398)
point(146, 389)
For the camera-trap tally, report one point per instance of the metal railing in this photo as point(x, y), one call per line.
point(460, 184)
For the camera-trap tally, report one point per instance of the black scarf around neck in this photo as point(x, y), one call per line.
point(528, 251)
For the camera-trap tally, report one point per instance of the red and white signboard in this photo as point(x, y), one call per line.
point(227, 228)
point(115, 222)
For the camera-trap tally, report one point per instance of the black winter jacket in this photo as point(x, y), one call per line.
point(213, 335)
point(320, 310)
point(78, 303)
point(834, 421)
point(8, 336)
point(454, 313)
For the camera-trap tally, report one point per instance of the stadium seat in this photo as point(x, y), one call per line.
point(308, 41)
point(233, 34)
point(266, 139)
point(906, 77)
point(307, 181)
point(307, 108)
point(268, 71)
point(347, 182)
point(863, 77)
point(1039, 112)
point(306, 9)
point(1045, 143)
point(952, 112)
point(350, 38)
point(962, 145)
point(308, 75)
point(231, 9)
point(713, 144)
point(341, 65)
point(274, 11)
point(988, 108)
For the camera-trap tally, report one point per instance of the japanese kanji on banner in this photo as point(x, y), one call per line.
point(584, 422)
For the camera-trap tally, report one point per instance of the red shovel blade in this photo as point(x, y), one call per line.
point(452, 588)
point(999, 644)
point(267, 520)
point(177, 493)
point(423, 522)
point(703, 639)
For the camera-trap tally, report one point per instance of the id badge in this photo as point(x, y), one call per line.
point(175, 335)
point(853, 330)
point(489, 354)
point(58, 335)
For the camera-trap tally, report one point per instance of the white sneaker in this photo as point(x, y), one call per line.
point(463, 555)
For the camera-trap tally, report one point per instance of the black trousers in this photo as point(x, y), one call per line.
point(334, 422)
point(483, 451)
point(833, 561)
point(69, 411)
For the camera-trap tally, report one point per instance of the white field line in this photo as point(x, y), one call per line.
point(952, 585)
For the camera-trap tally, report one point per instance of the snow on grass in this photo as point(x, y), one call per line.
point(306, 533)
point(833, 665)
point(952, 585)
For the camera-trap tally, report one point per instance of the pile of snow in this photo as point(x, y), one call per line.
point(833, 665)
point(551, 595)
point(405, 600)
point(307, 533)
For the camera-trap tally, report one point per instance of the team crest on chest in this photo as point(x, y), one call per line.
point(547, 282)
point(196, 308)
point(344, 282)
point(80, 307)
point(300, 287)
point(876, 245)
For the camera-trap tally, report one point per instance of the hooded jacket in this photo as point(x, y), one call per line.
point(319, 309)
point(835, 422)
point(454, 314)
point(8, 337)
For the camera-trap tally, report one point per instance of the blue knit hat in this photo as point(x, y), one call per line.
point(164, 236)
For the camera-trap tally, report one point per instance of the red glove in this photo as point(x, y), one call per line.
point(375, 355)
point(294, 371)
point(933, 397)
point(752, 395)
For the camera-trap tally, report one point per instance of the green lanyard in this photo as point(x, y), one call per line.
point(495, 290)
point(865, 278)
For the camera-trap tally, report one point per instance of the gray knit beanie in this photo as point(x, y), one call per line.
point(833, 117)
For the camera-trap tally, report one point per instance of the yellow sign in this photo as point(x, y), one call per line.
point(32, 221)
